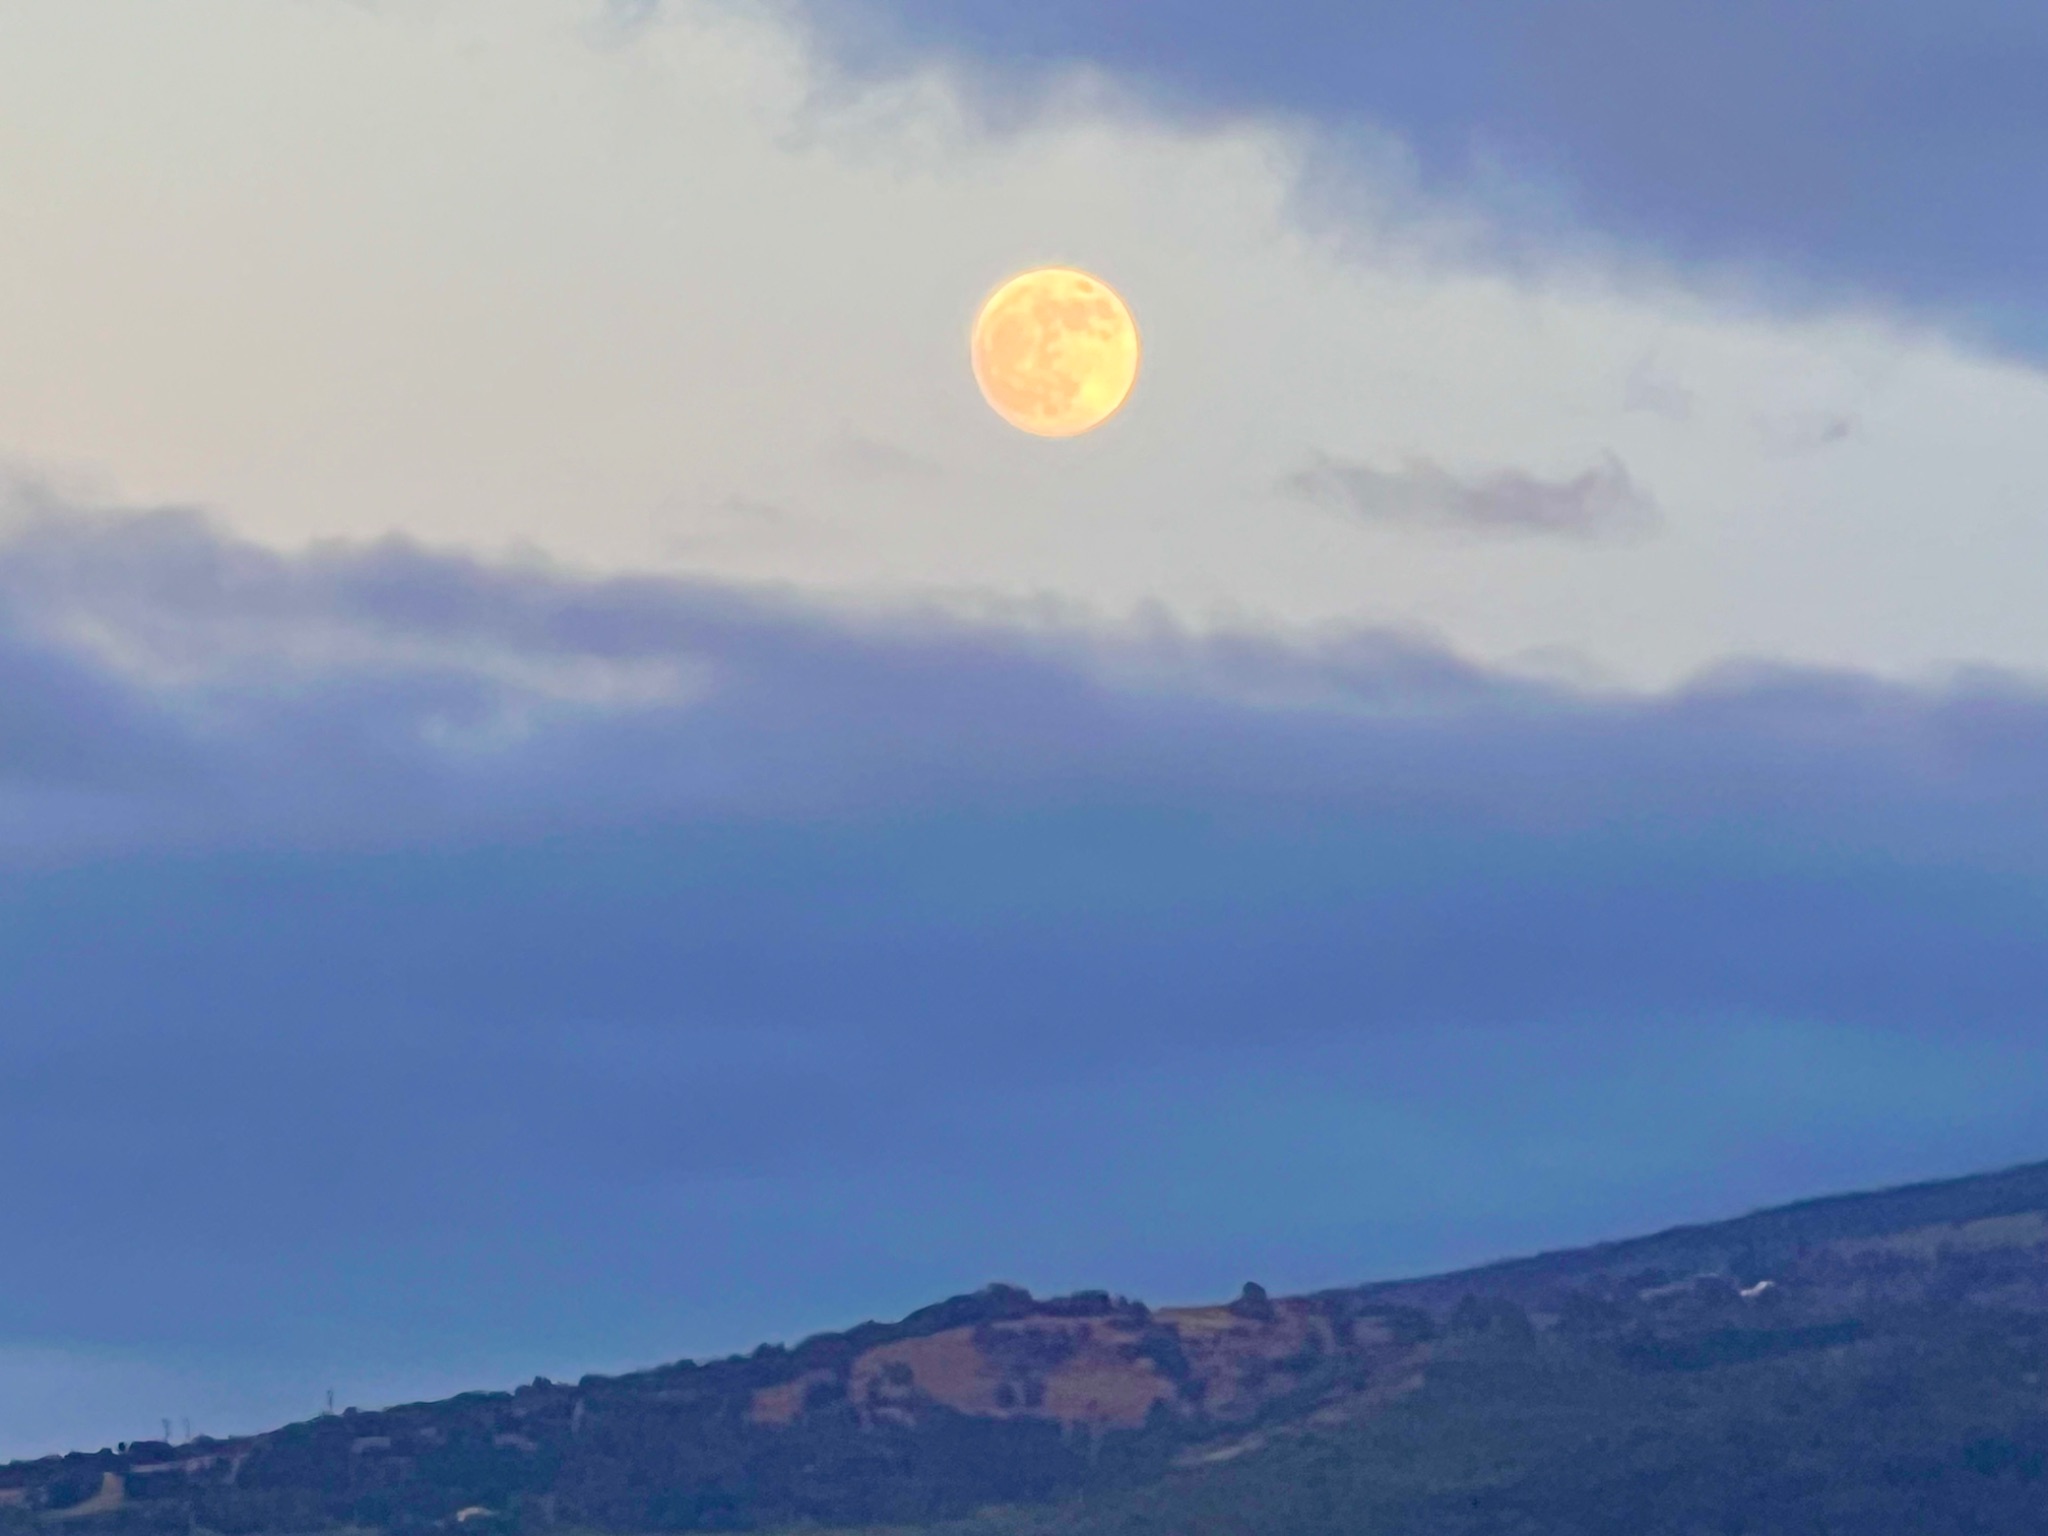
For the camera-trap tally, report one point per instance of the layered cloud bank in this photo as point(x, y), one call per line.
point(419, 965)
point(660, 290)
point(170, 683)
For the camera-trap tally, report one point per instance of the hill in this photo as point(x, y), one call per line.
point(1868, 1363)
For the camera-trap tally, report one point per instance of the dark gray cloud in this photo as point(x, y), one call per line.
point(385, 688)
point(1600, 502)
point(172, 692)
point(1846, 146)
point(408, 958)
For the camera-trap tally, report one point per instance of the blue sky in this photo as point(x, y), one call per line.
point(569, 797)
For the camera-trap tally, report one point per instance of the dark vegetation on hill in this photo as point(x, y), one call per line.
point(1868, 1364)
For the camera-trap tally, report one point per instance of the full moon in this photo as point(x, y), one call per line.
point(1055, 351)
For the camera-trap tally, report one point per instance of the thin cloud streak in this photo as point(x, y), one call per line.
point(1601, 502)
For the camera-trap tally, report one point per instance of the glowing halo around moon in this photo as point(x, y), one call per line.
point(1055, 351)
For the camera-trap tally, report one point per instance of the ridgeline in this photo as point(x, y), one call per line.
point(1872, 1363)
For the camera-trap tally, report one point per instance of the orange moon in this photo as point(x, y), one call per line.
point(1055, 351)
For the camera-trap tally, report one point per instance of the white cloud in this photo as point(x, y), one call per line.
point(496, 273)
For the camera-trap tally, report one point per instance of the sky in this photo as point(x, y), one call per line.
point(571, 797)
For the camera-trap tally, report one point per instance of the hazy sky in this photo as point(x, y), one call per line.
point(569, 795)
point(673, 295)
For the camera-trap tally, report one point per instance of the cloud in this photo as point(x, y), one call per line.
point(1603, 501)
point(420, 965)
point(180, 679)
point(1803, 432)
point(865, 458)
point(584, 289)
point(1609, 120)
point(1648, 389)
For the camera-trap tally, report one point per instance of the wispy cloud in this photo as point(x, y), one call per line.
point(1649, 388)
point(871, 459)
point(1599, 502)
point(1803, 432)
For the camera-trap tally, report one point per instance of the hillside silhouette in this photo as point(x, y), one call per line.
point(1868, 1363)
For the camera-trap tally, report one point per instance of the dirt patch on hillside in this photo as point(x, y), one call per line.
point(1107, 1372)
point(1083, 1371)
point(113, 1493)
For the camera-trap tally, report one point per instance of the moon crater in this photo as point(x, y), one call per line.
point(1055, 351)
